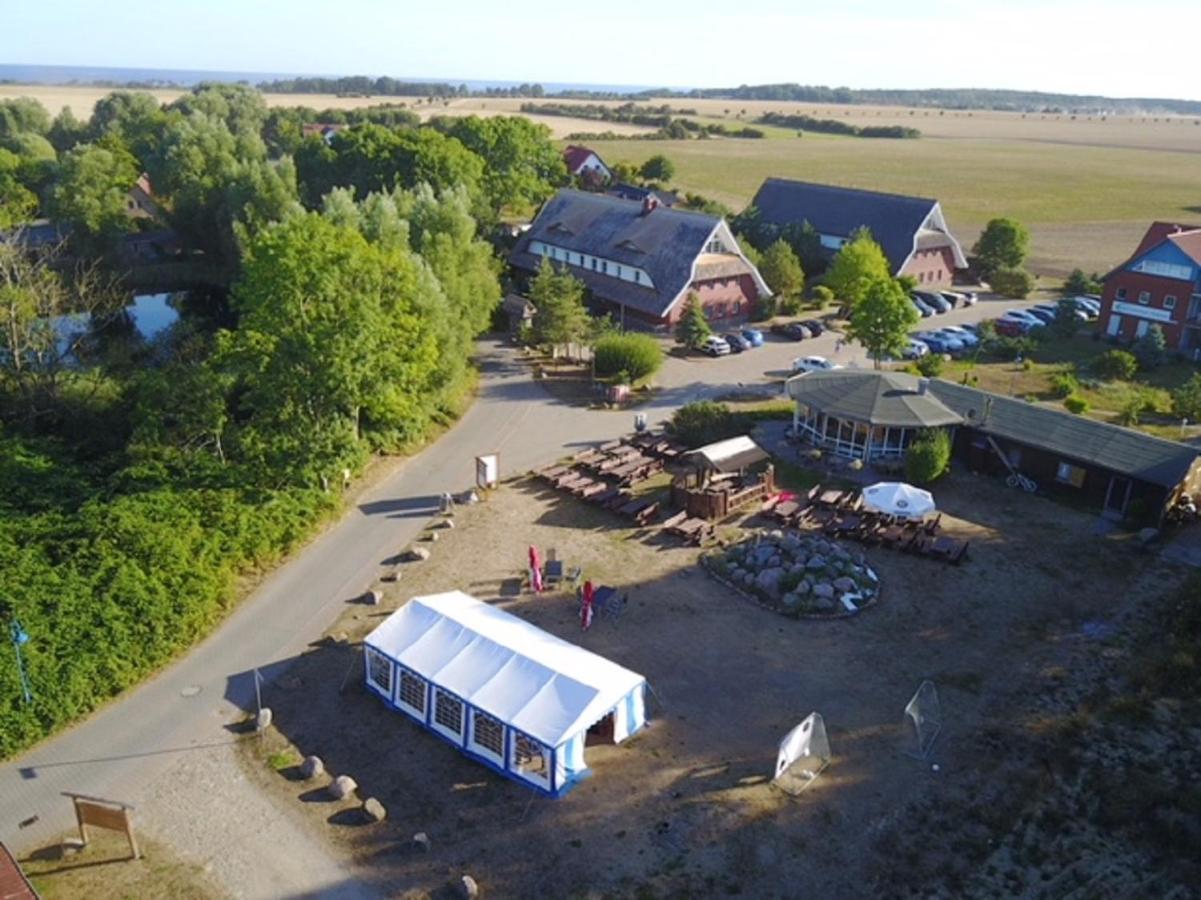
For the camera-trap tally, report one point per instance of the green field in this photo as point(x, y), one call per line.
point(1086, 206)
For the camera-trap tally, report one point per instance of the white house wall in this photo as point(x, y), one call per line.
point(613, 269)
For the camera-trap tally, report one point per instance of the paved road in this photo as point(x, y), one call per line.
point(119, 751)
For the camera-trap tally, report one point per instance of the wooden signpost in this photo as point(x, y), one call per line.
point(110, 814)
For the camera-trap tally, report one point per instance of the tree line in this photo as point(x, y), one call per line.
point(141, 478)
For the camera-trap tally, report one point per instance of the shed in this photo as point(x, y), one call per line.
point(731, 455)
point(503, 691)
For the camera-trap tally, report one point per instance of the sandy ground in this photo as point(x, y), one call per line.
point(685, 807)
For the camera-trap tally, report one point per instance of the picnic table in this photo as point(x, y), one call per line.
point(829, 498)
point(783, 512)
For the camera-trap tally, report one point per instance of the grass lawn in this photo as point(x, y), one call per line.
point(1086, 206)
point(1033, 378)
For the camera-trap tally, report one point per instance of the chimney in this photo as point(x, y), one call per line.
point(649, 203)
point(923, 386)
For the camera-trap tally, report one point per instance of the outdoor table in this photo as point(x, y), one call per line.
point(786, 510)
point(850, 523)
point(829, 498)
point(944, 546)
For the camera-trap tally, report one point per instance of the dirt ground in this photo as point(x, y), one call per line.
point(685, 807)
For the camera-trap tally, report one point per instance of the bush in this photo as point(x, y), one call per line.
point(638, 355)
point(1151, 349)
point(823, 294)
point(765, 309)
point(1115, 365)
point(1064, 384)
point(789, 306)
point(1132, 410)
point(930, 365)
point(928, 456)
point(706, 421)
point(1076, 404)
point(1079, 283)
point(1015, 283)
point(1186, 399)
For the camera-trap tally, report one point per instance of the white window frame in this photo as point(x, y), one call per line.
point(521, 747)
point(1120, 294)
point(440, 694)
point(401, 700)
point(497, 753)
point(374, 658)
point(1169, 301)
point(1144, 297)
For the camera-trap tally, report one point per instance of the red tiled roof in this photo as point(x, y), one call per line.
point(1156, 234)
point(575, 157)
point(1189, 242)
point(144, 183)
point(13, 883)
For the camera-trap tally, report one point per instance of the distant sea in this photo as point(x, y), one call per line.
point(190, 77)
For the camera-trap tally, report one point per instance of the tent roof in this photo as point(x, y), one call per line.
point(891, 399)
point(730, 455)
point(527, 678)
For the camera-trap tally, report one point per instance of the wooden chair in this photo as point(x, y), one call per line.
point(932, 526)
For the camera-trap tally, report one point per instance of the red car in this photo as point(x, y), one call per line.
point(1009, 327)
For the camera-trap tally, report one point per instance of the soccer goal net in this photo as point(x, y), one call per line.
point(804, 753)
point(923, 721)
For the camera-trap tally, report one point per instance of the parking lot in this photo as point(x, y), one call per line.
point(773, 361)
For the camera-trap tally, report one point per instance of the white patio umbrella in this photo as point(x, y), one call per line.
point(896, 498)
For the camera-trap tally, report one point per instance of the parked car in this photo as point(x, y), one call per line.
point(1090, 308)
point(922, 307)
point(814, 326)
point(737, 342)
point(939, 342)
point(794, 331)
point(714, 346)
point(958, 298)
point(934, 300)
point(1023, 315)
point(961, 334)
point(1010, 327)
point(1025, 324)
point(915, 350)
point(754, 335)
point(1046, 316)
point(813, 364)
point(1053, 310)
point(969, 297)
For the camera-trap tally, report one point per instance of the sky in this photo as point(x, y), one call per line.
point(1071, 46)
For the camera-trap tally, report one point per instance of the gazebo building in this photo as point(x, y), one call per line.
point(865, 415)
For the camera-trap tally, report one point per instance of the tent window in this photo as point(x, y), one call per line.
point(448, 712)
point(530, 758)
point(488, 733)
point(412, 692)
point(379, 671)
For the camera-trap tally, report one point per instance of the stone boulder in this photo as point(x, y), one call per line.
point(823, 590)
point(418, 554)
point(468, 889)
point(312, 767)
point(804, 587)
point(374, 810)
point(844, 585)
point(815, 563)
point(342, 787)
point(421, 841)
point(824, 604)
point(768, 581)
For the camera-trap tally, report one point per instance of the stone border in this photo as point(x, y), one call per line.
point(813, 617)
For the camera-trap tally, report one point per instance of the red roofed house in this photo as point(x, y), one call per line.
point(139, 201)
point(1159, 284)
point(586, 165)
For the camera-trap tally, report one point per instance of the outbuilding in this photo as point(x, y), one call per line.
point(506, 693)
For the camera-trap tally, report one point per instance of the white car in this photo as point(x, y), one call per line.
point(813, 364)
point(915, 350)
point(714, 346)
point(965, 298)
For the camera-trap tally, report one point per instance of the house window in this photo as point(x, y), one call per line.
point(1169, 302)
point(1066, 473)
point(619, 271)
point(737, 307)
point(638, 276)
point(1144, 297)
point(412, 692)
point(448, 712)
point(1121, 294)
point(488, 733)
point(604, 267)
point(593, 260)
point(379, 671)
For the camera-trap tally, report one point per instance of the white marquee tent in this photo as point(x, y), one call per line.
point(505, 692)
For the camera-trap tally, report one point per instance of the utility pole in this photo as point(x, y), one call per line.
point(19, 638)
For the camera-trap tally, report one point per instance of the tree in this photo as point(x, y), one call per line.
point(1003, 244)
point(1186, 399)
point(1079, 283)
point(882, 318)
point(18, 203)
point(66, 131)
point(558, 299)
point(928, 457)
point(522, 164)
point(782, 270)
point(658, 168)
point(134, 118)
point(91, 195)
point(22, 115)
point(692, 327)
point(1066, 323)
point(634, 356)
point(1008, 282)
point(860, 263)
point(1151, 349)
point(706, 421)
point(329, 349)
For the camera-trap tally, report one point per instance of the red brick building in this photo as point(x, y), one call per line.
point(1160, 284)
point(640, 260)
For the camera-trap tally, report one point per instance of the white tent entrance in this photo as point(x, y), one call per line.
point(804, 753)
point(506, 693)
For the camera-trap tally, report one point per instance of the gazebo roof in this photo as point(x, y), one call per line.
point(892, 399)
